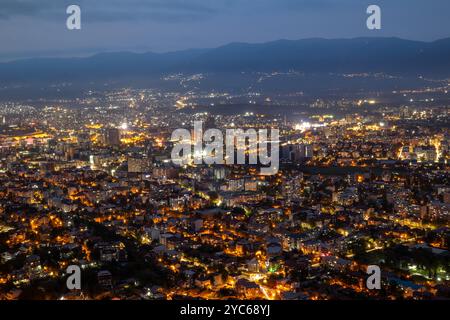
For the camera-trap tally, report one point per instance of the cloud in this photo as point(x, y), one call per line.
point(111, 10)
point(11, 8)
point(160, 10)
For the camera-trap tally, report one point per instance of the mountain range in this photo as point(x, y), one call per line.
point(359, 55)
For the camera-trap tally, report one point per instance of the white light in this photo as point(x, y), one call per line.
point(124, 126)
point(303, 126)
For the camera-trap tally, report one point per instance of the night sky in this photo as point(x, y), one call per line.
point(36, 28)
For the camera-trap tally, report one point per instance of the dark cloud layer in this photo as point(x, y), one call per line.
point(111, 10)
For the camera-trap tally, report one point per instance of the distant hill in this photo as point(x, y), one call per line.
point(390, 55)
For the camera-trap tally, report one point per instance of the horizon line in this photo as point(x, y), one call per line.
point(131, 51)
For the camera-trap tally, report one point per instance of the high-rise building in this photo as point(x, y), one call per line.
point(137, 164)
point(112, 137)
point(296, 152)
point(220, 173)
